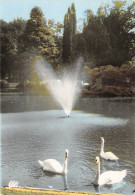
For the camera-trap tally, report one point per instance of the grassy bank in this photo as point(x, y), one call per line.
point(31, 191)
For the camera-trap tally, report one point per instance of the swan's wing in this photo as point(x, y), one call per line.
point(112, 177)
point(52, 165)
point(109, 156)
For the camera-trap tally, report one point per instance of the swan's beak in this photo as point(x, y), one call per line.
point(66, 156)
point(96, 163)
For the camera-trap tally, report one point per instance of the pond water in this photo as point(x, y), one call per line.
point(33, 128)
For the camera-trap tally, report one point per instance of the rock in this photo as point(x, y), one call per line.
point(112, 81)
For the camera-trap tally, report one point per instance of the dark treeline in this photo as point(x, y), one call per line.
point(106, 38)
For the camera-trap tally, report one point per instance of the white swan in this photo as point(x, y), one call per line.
point(107, 155)
point(108, 177)
point(13, 184)
point(52, 165)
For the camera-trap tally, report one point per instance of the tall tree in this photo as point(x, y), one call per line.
point(68, 33)
point(120, 25)
point(79, 46)
point(89, 16)
point(96, 37)
point(67, 38)
point(110, 34)
point(39, 38)
point(73, 18)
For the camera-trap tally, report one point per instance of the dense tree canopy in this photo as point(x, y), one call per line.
point(108, 37)
point(119, 25)
point(10, 33)
point(110, 34)
point(39, 37)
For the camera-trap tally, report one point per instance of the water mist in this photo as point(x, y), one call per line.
point(66, 86)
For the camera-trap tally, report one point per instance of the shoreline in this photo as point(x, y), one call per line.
point(45, 191)
point(82, 94)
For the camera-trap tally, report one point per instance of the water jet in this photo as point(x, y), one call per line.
point(65, 87)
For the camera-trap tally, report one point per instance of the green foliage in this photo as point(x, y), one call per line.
point(79, 46)
point(103, 11)
point(73, 19)
point(10, 33)
point(55, 27)
point(39, 38)
point(118, 6)
point(96, 40)
point(66, 47)
point(21, 41)
point(68, 34)
point(89, 16)
point(37, 14)
point(110, 34)
point(119, 25)
point(107, 38)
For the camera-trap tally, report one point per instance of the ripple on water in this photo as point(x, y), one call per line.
point(30, 136)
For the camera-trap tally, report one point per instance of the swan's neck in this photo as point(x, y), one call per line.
point(65, 166)
point(96, 182)
point(102, 147)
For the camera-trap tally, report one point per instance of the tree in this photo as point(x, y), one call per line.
point(79, 46)
point(73, 18)
point(39, 38)
point(97, 40)
point(120, 25)
point(103, 11)
point(56, 27)
point(65, 43)
point(10, 33)
point(59, 28)
point(89, 15)
point(68, 34)
point(109, 35)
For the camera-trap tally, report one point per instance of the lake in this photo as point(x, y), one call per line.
point(34, 128)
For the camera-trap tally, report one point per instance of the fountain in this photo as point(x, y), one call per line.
point(40, 131)
point(64, 88)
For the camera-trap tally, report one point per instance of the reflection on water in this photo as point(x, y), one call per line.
point(32, 131)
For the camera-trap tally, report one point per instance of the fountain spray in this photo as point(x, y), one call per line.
point(66, 88)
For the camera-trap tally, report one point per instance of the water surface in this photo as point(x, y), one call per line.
point(34, 128)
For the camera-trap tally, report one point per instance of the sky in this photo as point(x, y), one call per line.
point(52, 9)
